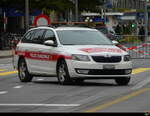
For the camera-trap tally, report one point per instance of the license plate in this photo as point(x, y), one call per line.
point(108, 67)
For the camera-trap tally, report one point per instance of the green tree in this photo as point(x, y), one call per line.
point(57, 5)
point(90, 5)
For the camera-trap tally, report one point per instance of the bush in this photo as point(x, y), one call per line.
point(130, 39)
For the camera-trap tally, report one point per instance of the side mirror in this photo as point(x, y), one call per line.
point(115, 42)
point(50, 43)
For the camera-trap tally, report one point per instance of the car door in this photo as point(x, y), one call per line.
point(33, 51)
point(22, 48)
point(50, 52)
point(41, 56)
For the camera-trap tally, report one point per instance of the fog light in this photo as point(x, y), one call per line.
point(81, 71)
point(128, 71)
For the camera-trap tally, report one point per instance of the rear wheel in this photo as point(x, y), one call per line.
point(123, 81)
point(23, 73)
point(62, 73)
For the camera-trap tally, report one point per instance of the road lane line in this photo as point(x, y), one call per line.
point(3, 92)
point(8, 73)
point(148, 111)
point(17, 87)
point(116, 101)
point(140, 70)
point(43, 105)
point(40, 79)
point(141, 84)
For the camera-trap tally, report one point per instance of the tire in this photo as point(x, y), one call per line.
point(23, 73)
point(123, 81)
point(62, 73)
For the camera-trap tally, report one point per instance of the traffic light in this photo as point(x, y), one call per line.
point(133, 25)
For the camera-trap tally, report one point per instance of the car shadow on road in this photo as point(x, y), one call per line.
point(76, 84)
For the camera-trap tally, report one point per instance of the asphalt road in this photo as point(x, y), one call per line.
point(44, 94)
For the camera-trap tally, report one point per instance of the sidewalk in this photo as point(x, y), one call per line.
point(5, 53)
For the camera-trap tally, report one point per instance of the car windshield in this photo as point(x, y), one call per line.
point(82, 37)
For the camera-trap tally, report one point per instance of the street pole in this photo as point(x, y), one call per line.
point(5, 21)
point(76, 11)
point(26, 14)
point(146, 20)
point(104, 11)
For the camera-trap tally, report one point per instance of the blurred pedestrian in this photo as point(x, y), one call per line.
point(142, 33)
point(118, 29)
point(0, 41)
point(125, 29)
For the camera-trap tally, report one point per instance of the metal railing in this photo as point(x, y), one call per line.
point(138, 46)
point(8, 40)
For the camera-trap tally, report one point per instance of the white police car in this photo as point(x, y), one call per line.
point(71, 54)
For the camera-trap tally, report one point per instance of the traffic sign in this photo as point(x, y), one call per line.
point(42, 20)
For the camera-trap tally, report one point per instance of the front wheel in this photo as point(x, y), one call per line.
point(23, 73)
point(62, 73)
point(123, 81)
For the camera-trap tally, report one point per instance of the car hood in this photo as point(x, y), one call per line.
point(94, 50)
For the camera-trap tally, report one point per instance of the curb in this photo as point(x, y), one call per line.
point(6, 54)
point(9, 56)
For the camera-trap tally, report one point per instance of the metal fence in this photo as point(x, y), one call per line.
point(137, 46)
point(8, 40)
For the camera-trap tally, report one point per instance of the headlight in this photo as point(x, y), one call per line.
point(80, 57)
point(127, 58)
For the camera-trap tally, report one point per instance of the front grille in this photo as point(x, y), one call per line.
point(103, 59)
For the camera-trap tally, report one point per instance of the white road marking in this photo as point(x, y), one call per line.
point(17, 87)
point(44, 105)
point(3, 92)
point(141, 84)
point(40, 79)
point(6, 65)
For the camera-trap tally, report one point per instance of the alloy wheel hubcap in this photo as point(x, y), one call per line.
point(62, 73)
point(22, 70)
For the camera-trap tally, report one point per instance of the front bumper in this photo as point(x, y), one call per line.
point(78, 69)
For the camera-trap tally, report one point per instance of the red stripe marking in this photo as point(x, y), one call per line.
point(42, 56)
point(93, 50)
point(140, 51)
point(132, 48)
point(122, 47)
point(144, 45)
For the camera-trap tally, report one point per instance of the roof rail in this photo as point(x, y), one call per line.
point(52, 26)
point(64, 24)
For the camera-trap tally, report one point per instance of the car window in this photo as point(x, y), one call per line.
point(37, 38)
point(82, 37)
point(28, 37)
point(49, 35)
